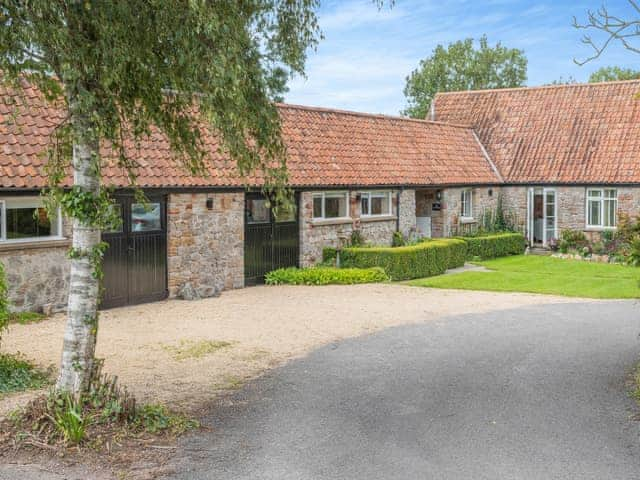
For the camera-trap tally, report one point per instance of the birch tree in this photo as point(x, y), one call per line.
point(120, 68)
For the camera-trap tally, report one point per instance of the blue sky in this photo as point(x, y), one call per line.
point(366, 55)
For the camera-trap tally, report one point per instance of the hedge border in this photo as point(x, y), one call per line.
point(425, 259)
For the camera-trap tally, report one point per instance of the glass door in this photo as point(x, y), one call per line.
point(550, 215)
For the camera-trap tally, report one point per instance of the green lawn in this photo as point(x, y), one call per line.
point(539, 274)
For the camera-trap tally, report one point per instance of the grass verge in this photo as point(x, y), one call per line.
point(546, 275)
point(25, 318)
point(187, 349)
point(18, 374)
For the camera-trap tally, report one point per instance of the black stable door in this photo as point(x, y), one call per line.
point(271, 241)
point(135, 263)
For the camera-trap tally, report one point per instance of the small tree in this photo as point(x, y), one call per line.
point(461, 66)
point(123, 68)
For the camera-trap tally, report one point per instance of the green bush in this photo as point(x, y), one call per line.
point(574, 239)
point(494, 246)
point(403, 263)
point(329, 254)
point(357, 239)
point(398, 239)
point(325, 276)
point(634, 255)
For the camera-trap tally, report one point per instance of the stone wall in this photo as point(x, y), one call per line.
point(408, 212)
point(37, 278)
point(446, 221)
point(205, 247)
point(514, 200)
point(571, 206)
point(316, 234)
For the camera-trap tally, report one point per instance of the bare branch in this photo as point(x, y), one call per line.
point(614, 27)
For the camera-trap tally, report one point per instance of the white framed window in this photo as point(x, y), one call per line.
point(376, 204)
point(24, 219)
point(602, 208)
point(330, 205)
point(466, 203)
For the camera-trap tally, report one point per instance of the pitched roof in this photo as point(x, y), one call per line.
point(582, 133)
point(325, 148)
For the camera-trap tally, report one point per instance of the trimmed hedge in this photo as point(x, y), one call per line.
point(325, 276)
point(404, 263)
point(494, 246)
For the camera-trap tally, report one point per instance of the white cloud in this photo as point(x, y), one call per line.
point(354, 14)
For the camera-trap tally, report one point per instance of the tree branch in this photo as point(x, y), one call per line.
point(616, 29)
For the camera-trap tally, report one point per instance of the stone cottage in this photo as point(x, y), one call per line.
point(559, 157)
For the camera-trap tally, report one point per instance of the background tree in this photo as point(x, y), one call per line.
point(121, 68)
point(461, 66)
point(570, 80)
point(611, 74)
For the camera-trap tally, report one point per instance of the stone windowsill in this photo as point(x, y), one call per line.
point(331, 221)
point(380, 218)
point(34, 244)
point(467, 220)
point(600, 229)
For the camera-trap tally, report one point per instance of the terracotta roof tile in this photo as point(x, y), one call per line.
point(325, 148)
point(584, 133)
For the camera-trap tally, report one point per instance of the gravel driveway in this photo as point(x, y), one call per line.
point(536, 392)
point(265, 327)
point(377, 381)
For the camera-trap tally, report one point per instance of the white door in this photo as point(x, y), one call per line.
point(550, 215)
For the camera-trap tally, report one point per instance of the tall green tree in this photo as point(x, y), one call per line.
point(120, 68)
point(462, 66)
point(611, 74)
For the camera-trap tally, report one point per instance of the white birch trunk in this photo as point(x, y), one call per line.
point(82, 321)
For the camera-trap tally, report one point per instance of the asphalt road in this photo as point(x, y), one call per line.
point(532, 393)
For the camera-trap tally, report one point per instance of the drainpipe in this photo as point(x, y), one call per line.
point(398, 193)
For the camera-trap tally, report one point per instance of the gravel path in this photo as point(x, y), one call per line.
point(536, 392)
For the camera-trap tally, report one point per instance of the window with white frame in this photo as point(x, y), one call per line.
point(602, 207)
point(376, 204)
point(328, 205)
point(466, 203)
point(26, 219)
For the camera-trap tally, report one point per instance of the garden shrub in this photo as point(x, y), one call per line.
point(634, 254)
point(398, 239)
point(356, 239)
point(494, 246)
point(329, 255)
point(325, 276)
point(573, 239)
point(404, 263)
point(498, 220)
point(627, 229)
